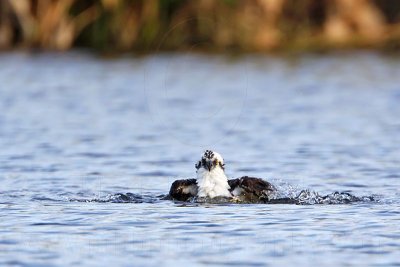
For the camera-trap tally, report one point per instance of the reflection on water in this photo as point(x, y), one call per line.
point(76, 127)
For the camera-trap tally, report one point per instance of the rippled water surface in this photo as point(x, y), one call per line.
point(76, 130)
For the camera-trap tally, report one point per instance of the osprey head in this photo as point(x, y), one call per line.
point(210, 160)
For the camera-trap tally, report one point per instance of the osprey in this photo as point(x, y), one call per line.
point(211, 182)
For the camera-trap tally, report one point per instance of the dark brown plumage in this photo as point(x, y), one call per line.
point(183, 190)
point(251, 189)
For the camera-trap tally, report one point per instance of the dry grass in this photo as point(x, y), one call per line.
point(257, 25)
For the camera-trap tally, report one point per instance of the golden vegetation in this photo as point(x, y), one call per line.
point(242, 25)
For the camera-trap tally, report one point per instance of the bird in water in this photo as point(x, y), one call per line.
point(212, 183)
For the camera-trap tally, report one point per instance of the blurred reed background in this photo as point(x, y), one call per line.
point(211, 25)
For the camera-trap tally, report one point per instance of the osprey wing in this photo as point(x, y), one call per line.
point(251, 189)
point(183, 190)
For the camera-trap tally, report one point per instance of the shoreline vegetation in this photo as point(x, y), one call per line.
point(206, 25)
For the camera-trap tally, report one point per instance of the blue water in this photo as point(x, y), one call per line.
point(75, 130)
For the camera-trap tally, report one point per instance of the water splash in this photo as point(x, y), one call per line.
point(287, 193)
point(122, 198)
point(305, 197)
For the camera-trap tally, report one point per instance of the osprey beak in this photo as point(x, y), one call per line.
point(209, 165)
